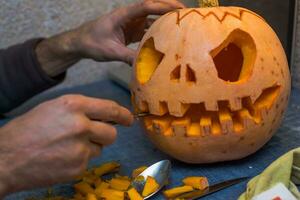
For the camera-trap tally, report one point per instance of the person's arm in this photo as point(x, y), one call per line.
point(21, 76)
point(61, 135)
point(103, 39)
point(38, 64)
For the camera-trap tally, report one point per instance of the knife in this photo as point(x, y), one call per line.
point(211, 189)
point(135, 115)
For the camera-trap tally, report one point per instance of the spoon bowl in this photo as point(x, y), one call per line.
point(160, 171)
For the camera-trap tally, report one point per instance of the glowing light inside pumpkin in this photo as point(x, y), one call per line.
point(198, 121)
point(147, 61)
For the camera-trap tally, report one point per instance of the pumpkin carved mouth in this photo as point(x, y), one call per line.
point(198, 121)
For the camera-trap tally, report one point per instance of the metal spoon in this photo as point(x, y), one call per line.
point(160, 171)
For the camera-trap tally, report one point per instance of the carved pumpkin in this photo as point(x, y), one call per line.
point(215, 80)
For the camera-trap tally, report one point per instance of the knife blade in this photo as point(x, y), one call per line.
point(135, 115)
point(211, 189)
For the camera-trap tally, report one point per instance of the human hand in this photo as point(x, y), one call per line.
point(53, 142)
point(103, 39)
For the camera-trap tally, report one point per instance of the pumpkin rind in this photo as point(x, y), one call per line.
point(200, 114)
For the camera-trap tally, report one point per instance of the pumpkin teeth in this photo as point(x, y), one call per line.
point(211, 105)
point(178, 109)
point(198, 121)
point(235, 104)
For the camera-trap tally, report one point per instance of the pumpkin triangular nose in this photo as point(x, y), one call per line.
point(190, 74)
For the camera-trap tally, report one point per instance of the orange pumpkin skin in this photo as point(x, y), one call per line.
point(216, 81)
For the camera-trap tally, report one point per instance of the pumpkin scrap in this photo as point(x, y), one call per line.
point(97, 182)
point(90, 178)
point(110, 194)
point(107, 168)
point(199, 183)
point(174, 192)
point(123, 177)
point(99, 189)
point(78, 196)
point(119, 184)
point(138, 171)
point(134, 195)
point(91, 197)
point(150, 187)
point(83, 188)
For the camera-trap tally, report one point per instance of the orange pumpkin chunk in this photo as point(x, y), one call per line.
point(99, 189)
point(91, 197)
point(119, 184)
point(138, 171)
point(122, 177)
point(97, 182)
point(83, 188)
point(107, 168)
point(199, 183)
point(134, 195)
point(110, 194)
point(150, 187)
point(78, 196)
point(174, 192)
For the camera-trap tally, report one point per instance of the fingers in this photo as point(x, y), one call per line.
point(102, 134)
point(98, 109)
point(124, 53)
point(95, 150)
point(140, 30)
point(148, 7)
point(149, 22)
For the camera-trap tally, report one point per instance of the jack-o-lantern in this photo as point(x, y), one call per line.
point(215, 80)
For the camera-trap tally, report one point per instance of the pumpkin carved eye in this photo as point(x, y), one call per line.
point(234, 58)
point(148, 60)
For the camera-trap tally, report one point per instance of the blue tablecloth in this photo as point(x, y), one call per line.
point(132, 149)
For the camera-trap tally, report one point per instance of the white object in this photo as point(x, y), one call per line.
point(278, 192)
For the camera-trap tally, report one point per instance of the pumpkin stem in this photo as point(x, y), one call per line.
point(208, 3)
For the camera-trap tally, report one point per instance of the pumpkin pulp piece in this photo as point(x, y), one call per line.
point(78, 196)
point(107, 168)
point(150, 187)
point(99, 189)
point(197, 182)
point(119, 184)
point(83, 188)
point(86, 173)
point(134, 195)
point(110, 194)
point(97, 182)
point(171, 193)
point(138, 171)
point(122, 177)
point(91, 197)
